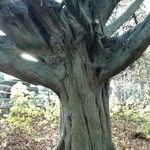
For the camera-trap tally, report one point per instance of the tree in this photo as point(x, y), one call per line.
point(77, 55)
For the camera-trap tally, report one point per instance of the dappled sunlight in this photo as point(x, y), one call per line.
point(2, 33)
point(59, 1)
point(29, 57)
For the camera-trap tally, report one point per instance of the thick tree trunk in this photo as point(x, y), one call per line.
point(74, 49)
point(86, 120)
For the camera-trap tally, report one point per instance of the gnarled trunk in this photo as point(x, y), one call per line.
point(74, 49)
point(86, 121)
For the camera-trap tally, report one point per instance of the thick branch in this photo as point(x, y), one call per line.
point(75, 7)
point(128, 48)
point(31, 23)
point(35, 28)
point(103, 9)
point(15, 22)
point(33, 72)
point(114, 26)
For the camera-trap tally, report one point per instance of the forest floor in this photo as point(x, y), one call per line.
point(125, 138)
point(46, 136)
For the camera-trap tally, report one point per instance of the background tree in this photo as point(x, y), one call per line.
point(77, 55)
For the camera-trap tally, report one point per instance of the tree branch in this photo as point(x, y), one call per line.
point(33, 72)
point(128, 48)
point(31, 23)
point(35, 28)
point(114, 26)
point(15, 22)
point(104, 8)
point(75, 7)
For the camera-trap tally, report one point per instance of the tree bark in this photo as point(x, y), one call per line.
point(75, 59)
point(86, 121)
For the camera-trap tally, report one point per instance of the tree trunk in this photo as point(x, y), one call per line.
point(86, 120)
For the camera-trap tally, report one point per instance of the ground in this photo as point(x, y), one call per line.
point(125, 138)
point(46, 136)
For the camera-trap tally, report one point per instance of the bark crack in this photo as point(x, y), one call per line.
point(39, 25)
point(86, 122)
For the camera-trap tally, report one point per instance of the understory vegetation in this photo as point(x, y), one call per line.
point(32, 124)
point(130, 125)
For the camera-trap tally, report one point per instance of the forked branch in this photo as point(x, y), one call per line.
point(128, 48)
